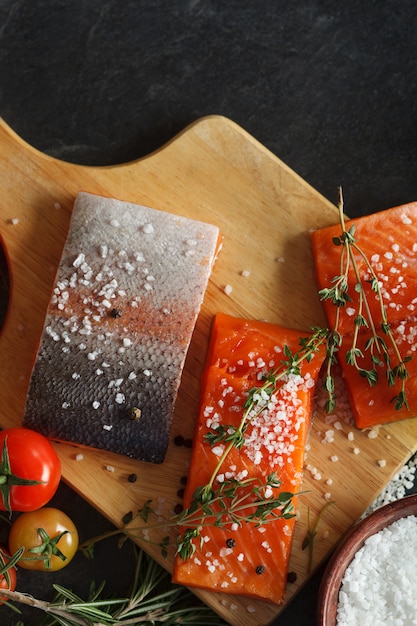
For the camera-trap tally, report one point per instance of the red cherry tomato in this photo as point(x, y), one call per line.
point(8, 578)
point(49, 536)
point(30, 470)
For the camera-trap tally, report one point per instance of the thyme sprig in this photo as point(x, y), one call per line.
point(258, 398)
point(309, 539)
point(228, 496)
point(228, 502)
point(381, 336)
point(234, 502)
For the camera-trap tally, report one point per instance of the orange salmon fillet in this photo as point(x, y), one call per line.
point(128, 291)
point(246, 560)
point(389, 241)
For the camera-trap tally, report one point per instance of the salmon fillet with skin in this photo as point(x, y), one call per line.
point(128, 291)
point(246, 560)
point(389, 241)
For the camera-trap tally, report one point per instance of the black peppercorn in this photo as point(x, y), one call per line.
point(132, 478)
point(230, 543)
point(260, 569)
point(116, 313)
point(291, 577)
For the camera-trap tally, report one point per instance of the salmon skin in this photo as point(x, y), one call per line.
point(128, 291)
point(245, 559)
point(389, 241)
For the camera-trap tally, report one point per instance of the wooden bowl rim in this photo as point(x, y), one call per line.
point(347, 548)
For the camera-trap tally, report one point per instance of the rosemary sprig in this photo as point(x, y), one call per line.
point(152, 600)
point(381, 336)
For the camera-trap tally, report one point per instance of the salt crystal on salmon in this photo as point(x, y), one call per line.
point(246, 559)
point(128, 291)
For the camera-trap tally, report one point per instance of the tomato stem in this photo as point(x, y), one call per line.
point(47, 548)
point(8, 479)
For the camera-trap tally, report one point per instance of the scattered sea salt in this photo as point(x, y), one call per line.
point(400, 485)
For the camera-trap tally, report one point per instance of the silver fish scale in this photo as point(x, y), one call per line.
point(128, 291)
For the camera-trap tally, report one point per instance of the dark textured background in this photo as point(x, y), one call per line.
point(329, 87)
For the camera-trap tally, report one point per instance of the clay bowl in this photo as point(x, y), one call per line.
point(350, 544)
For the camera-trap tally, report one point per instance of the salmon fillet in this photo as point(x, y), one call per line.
point(128, 291)
point(389, 241)
point(249, 560)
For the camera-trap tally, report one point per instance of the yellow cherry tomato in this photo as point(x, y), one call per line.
point(49, 537)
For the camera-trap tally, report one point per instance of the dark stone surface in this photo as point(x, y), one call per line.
point(329, 87)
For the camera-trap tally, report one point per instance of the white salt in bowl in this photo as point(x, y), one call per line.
point(344, 555)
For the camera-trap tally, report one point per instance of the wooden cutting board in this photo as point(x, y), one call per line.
point(213, 171)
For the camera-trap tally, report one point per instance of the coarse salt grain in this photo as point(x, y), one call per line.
point(405, 219)
point(379, 585)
